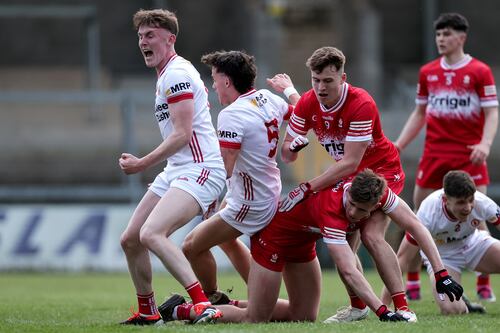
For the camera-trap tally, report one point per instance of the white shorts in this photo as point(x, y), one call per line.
point(463, 254)
point(203, 183)
point(246, 218)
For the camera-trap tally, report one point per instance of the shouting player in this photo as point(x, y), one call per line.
point(191, 181)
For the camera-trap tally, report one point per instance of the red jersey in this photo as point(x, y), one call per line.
point(455, 95)
point(334, 228)
point(321, 214)
point(355, 117)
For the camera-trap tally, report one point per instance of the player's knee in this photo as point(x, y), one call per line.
point(129, 242)
point(187, 246)
point(146, 236)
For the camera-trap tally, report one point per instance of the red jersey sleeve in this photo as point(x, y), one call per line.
point(422, 91)
point(300, 123)
point(361, 123)
point(486, 88)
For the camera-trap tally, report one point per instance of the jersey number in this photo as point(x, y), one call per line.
point(272, 136)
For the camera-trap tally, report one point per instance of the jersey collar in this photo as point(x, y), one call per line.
point(458, 65)
point(168, 63)
point(248, 93)
point(340, 102)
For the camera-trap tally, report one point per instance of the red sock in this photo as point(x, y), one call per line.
point(356, 302)
point(399, 300)
point(483, 280)
point(181, 312)
point(147, 305)
point(413, 277)
point(234, 302)
point(196, 293)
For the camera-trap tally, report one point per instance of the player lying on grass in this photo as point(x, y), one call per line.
point(286, 249)
point(452, 216)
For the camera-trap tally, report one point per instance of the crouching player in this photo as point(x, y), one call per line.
point(452, 215)
point(286, 249)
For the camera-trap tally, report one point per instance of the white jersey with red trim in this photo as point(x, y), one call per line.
point(251, 124)
point(455, 95)
point(179, 81)
point(444, 228)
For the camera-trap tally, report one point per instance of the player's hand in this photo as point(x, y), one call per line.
point(298, 143)
point(479, 153)
point(294, 197)
point(446, 285)
point(130, 164)
point(384, 314)
point(280, 82)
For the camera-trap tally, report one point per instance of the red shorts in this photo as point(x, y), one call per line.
point(290, 237)
point(431, 171)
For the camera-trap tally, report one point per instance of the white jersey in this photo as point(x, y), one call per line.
point(179, 81)
point(444, 228)
point(251, 124)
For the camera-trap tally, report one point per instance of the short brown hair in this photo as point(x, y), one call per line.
point(160, 18)
point(237, 65)
point(458, 184)
point(326, 56)
point(367, 187)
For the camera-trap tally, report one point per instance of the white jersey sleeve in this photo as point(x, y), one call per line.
point(487, 208)
point(180, 81)
point(230, 129)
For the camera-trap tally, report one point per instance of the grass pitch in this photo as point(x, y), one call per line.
point(95, 302)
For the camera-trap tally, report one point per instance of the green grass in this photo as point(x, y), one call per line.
point(94, 302)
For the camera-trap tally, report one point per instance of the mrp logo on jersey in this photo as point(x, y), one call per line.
point(227, 134)
point(178, 87)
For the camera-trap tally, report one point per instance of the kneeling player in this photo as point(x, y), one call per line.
point(452, 216)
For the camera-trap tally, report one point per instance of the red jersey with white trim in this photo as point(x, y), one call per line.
point(251, 124)
point(335, 227)
point(455, 95)
point(178, 81)
point(445, 228)
point(355, 117)
point(321, 214)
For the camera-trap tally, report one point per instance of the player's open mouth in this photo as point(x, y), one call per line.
point(147, 53)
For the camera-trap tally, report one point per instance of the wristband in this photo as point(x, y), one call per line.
point(290, 91)
point(306, 188)
point(441, 274)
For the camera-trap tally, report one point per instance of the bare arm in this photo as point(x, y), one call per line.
point(345, 261)
point(229, 155)
point(181, 114)
point(353, 153)
point(287, 155)
point(403, 216)
point(481, 151)
point(413, 126)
